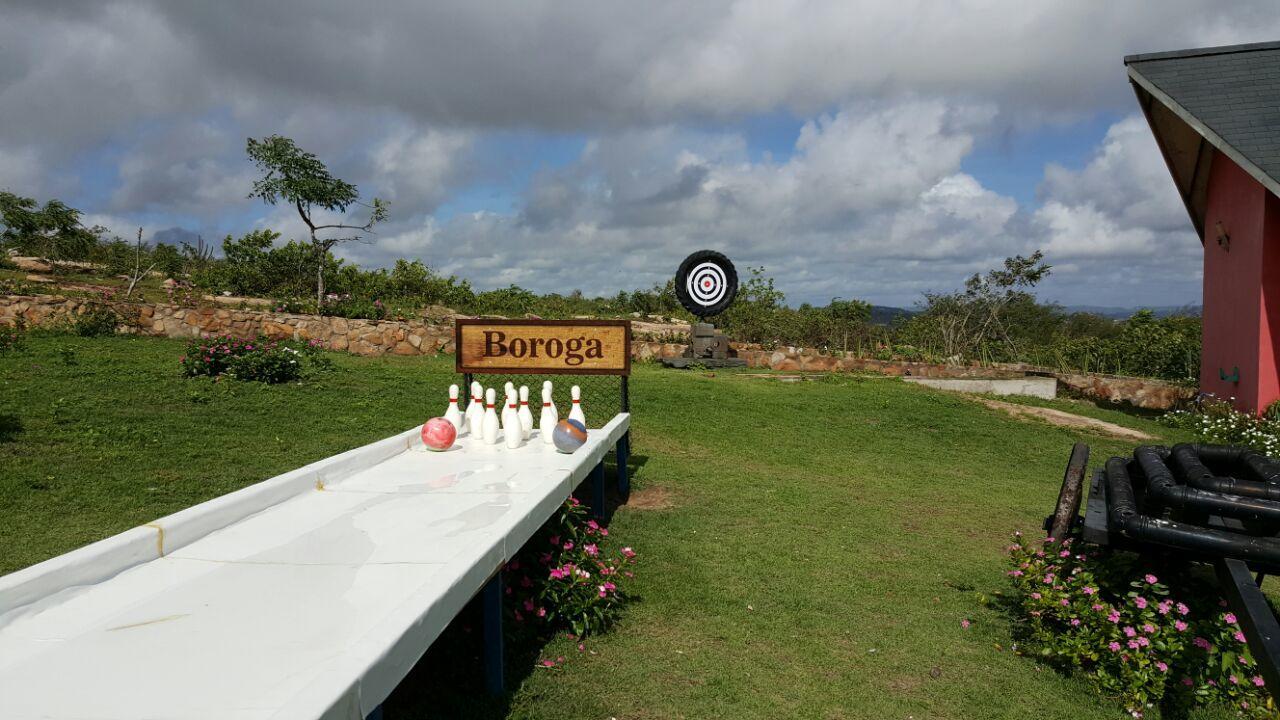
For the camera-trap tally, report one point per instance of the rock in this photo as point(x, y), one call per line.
point(31, 264)
point(40, 279)
point(404, 348)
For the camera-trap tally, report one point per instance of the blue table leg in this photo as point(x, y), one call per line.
point(623, 454)
point(495, 683)
point(376, 714)
point(597, 491)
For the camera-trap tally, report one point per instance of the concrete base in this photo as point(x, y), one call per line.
point(1035, 386)
point(684, 362)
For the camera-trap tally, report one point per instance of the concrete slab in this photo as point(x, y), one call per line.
point(1035, 386)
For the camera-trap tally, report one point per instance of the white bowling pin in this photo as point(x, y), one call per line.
point(511, 430)
point(575, 412)
point(526, 415)
point(452, 414)
point(475, 411)
point(490, 423)
point(547, 422)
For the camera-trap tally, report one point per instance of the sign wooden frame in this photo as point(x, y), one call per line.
point(467, 360)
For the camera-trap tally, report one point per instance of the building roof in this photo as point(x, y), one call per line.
point(1228, 97)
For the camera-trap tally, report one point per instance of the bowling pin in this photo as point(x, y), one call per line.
point(452, 414)
point(489, 425)
point(475, 411)
point(575, 413)
point(511, 430)
point(547, 422)
point(526, 415)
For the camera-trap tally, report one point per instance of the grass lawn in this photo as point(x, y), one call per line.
point(807, 550)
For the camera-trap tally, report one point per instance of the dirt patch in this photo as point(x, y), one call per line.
point(654, 497)
point(1066, 419)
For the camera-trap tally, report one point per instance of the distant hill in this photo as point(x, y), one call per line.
point(884, 315)
point(1121, 313)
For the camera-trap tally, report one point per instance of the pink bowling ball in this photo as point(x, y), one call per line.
point(438, 434)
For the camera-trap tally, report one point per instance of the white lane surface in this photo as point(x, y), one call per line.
point(315, 607)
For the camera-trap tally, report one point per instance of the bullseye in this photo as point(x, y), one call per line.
point(706, 283)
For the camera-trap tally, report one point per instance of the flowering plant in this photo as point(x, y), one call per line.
point(565, 578)
point(1214, 420)
point(1140, 640)
point(260, 359)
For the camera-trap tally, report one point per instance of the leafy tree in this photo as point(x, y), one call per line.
point(972, 322)
point(297, 177)
point(53, 231)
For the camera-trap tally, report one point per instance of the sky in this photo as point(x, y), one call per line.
point(865, 150)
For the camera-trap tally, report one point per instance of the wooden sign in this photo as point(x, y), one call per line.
point(575, 347)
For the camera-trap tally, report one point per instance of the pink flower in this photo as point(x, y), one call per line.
point(1230, 618)
point(1143, 641)
point(548, 663)
point(1148, 628)
point(1234, 680)
point(1163, 608)
point(1035, 596)
point(1182, 609)
point(1187, 681)
point(1064, 602)
point(965, 623)
point(1097, 608)
point(1075, 622)
point(1129, 632)
point(1258, 681)
point(1065, 553)
point(542, 612)
point(1133, 644)
point(1089, 590)
point(627, 552)
point(1114, 647)
point(568, 545)
point(555, 539)
point(1048, 579)
point(593, 525)
point(1179, 625)
point(1201, 643)
point(591, 549)
point(1141, 602)
point(1151, 579)
point(1014, 573)
point(528, 605)
point(1163, 667)
point(1114, 616)
point(1239, 636)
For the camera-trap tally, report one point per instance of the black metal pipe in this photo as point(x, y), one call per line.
point(1188, 461)
point(1133, 525)
point(1162, 485)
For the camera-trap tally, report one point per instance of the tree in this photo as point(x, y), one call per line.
point(53, 231)
point(299, 178)
point(966, 324)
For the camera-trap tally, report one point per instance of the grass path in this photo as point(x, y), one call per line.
point(820, 545)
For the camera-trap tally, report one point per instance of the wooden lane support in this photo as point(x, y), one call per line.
point(494, 671)
point(1254, 613)
point(1068, 507)
point(597, 491)
point(623, 454)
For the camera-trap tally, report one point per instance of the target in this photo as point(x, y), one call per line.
point(706, 283)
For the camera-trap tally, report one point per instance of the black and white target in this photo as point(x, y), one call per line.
point(706, 283)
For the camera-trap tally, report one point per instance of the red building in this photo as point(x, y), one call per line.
point(1215, 113)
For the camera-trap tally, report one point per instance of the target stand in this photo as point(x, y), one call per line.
point(706, 285)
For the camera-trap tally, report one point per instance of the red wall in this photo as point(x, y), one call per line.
point(1241, 289)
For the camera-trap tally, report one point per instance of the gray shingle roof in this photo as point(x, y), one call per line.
point(1233, 91)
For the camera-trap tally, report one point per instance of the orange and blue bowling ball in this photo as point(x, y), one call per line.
point(568, 436)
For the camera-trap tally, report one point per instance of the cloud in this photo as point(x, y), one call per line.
point(405, 100)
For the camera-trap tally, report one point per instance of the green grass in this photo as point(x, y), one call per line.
point(815, 550)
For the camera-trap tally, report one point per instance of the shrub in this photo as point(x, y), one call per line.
point(1145, 642)
point(349, 307)
point(12, 336)
point(260, 360)
point(564, 578)
point(96, 321)
point(1215, 421)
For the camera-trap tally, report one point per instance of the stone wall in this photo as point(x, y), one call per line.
point(360, 337)
point(1139, 392)
point(422, 337)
